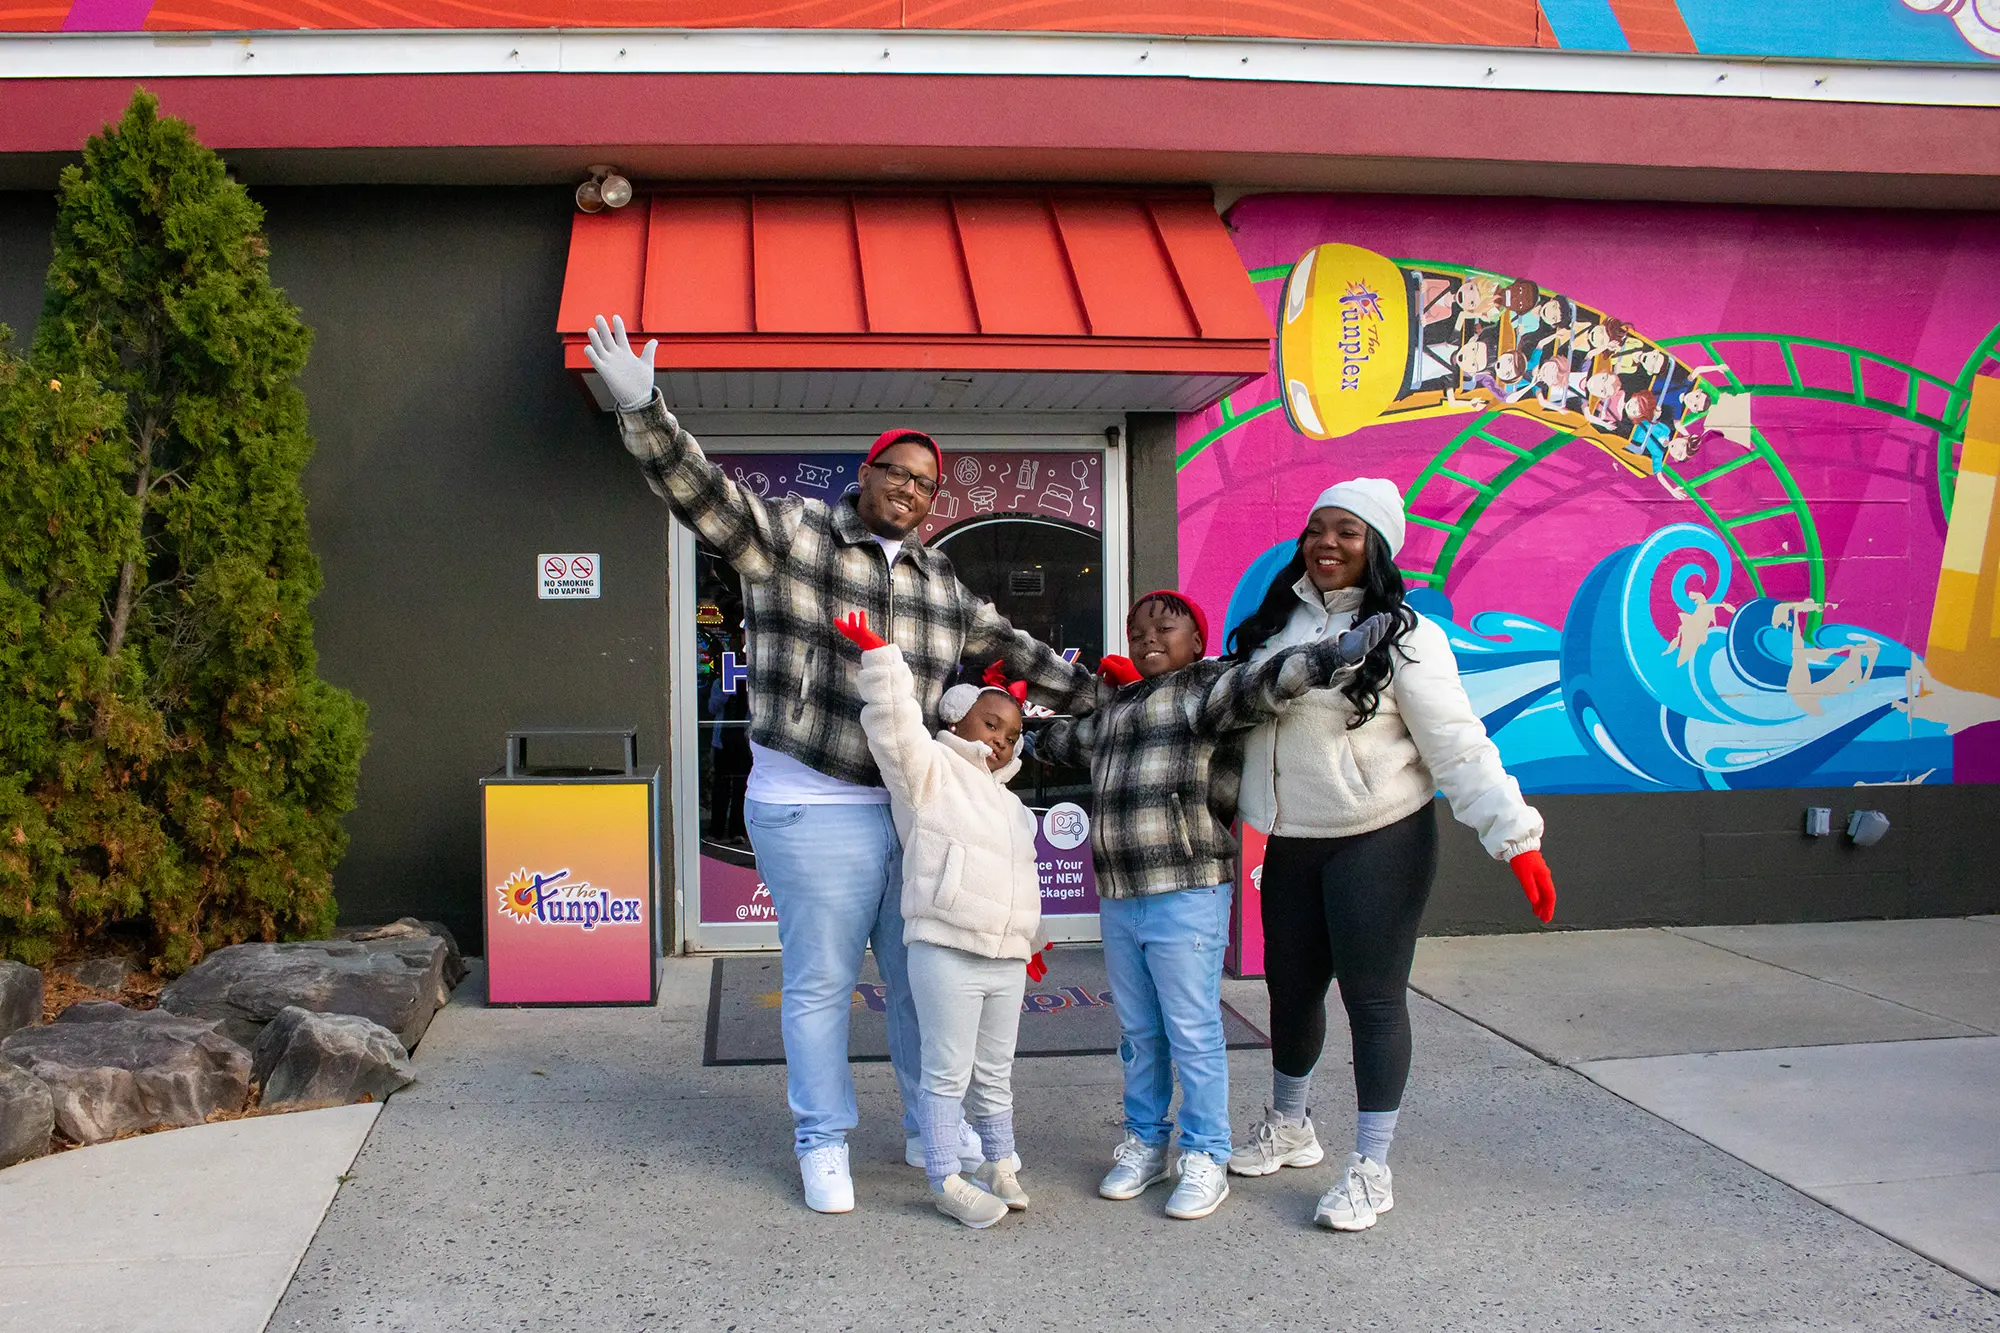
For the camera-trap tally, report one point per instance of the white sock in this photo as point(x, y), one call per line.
point(1288, 1094)
point(1372, 1132)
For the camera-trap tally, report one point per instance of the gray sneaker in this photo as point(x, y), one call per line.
point(1135, 1164)
point(1204, 1185)
point(1360, 1195)
point(1277, 1142)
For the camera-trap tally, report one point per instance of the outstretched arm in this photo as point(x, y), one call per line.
point(1455, 747)
point(1071, 740)
point(1062, 687)
point(1246, 695)
point(750, 534)
point(892, 719)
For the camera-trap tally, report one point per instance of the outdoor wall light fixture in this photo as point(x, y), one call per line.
point(605, 189)
point(1866, 827)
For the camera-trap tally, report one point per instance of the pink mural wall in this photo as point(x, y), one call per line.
point(1671, 407)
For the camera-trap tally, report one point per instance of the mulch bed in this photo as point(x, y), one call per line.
point(60, 991)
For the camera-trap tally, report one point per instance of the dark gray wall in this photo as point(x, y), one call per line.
point(1155, 496)
point(25, 223)
point(1732, 858)
point(451, 452)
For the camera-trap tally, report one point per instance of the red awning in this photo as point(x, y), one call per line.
point(968, 299)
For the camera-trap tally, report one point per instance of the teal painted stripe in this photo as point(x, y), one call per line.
point(1585, 25)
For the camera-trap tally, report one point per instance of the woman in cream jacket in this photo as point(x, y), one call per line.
point(1343, 784)
point(972, 910)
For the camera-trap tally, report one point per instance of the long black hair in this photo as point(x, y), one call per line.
point(1381, 590)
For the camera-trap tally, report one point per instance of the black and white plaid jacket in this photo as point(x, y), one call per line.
point(1166, 763)
point(803, 563)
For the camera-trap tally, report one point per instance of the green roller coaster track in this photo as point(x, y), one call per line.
point(1948, 424)
point(1527, 456)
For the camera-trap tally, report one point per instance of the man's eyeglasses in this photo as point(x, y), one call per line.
point(900, 476)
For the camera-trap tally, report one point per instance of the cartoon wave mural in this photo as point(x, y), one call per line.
point(1656, 681)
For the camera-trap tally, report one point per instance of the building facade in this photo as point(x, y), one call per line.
point(1677, 322)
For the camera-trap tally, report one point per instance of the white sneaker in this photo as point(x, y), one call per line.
point(829, 1188)
point(1135, 1164)
point(964, 1201)
point(1204, 1185)
point(1360, 1196)
point(970, 1154)
point(1277, 1142)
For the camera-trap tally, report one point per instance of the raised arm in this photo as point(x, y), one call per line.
point(751, 534)
point(1062, 687)
point(898, 734)
point(1248, 694)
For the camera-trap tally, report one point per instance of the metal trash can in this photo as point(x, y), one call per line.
point(572, 876)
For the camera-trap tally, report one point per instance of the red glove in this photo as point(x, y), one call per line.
point(1038, 967)
point(1118, 670)
point(1537, 883)
point(855, 627)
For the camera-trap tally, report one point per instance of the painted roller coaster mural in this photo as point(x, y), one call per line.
point(1774, 695)
point(1927, 400)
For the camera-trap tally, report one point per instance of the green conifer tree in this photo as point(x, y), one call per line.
point(160, 291)
point(79, 847)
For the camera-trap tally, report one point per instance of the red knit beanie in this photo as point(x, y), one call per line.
point(1194, 609)
point(889, 437)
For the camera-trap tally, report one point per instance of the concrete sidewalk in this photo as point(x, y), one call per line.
point(579, 1169)
point(189, 1231)
point(1857, 1062)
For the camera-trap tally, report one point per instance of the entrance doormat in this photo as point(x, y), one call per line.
point(1068, 1013)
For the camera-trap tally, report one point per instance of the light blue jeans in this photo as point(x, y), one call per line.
point(1163, 953)
point(836, 878)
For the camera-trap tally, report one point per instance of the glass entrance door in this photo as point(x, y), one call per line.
point(1027, 528)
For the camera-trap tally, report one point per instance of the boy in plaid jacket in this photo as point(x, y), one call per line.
point(1164, 748)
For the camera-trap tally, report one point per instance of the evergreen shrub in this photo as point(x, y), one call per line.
point(172, 768)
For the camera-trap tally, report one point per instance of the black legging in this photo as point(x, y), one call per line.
point(1347, 908)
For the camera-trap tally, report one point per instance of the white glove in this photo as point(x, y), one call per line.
point(627, 374)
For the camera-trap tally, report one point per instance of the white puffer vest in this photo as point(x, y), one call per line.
point(970, 880)
point(1307, 775)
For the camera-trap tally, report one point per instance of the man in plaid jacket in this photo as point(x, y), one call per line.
point(817, 812)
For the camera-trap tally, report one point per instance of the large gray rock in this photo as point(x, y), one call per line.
point(304, 1059)
point(27, 1115)
point(409, 927)
point(398, 982)
point(20, 996)
point(100, 973)
point(111, 1070)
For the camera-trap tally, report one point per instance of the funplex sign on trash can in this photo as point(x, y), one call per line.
point(570, 883)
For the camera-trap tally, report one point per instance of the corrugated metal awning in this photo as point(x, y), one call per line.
point(969, 299)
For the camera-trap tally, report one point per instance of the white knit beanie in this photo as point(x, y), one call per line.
point(1373, 500)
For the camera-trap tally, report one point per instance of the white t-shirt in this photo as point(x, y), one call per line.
point(778, 779)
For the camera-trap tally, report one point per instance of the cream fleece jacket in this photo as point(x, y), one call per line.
point(970, 880)
point(1306, 775)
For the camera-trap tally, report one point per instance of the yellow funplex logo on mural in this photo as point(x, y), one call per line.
point(532, 897)
point(1341, 344)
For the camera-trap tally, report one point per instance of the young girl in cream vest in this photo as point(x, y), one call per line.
point(972, 910)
